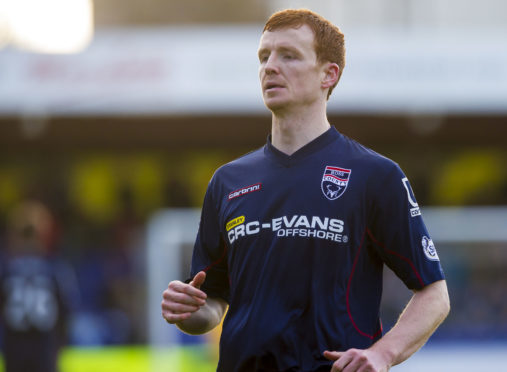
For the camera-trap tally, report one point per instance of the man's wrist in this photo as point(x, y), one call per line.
point(385, 352)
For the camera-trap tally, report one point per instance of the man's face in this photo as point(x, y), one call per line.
point(289, 72)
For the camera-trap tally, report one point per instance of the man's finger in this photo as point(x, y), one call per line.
point(175, 318)
point(332, 355)
point(177, 308)
point(198, 297)
point(198, 280)
point(179, 287)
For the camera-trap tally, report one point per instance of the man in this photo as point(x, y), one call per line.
point(37, 292)
point(293, 236)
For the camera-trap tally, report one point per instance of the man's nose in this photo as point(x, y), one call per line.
point(271, 66)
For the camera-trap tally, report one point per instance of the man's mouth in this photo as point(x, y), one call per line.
point(271, 86)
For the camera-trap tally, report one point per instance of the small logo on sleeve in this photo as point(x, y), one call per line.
point(334, 181)
point(414, 211)
point(245, 190)
point(429, 249)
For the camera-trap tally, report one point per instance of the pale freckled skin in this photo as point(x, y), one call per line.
point(288, 60)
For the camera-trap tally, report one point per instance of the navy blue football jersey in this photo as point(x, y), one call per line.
point(296, 245)
point(36, 296)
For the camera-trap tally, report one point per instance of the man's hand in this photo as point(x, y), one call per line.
point(355, 360)
point(181, 300)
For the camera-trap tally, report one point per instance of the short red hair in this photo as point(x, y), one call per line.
point(329, 40)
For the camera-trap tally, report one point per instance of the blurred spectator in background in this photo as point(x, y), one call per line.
point(38, 292)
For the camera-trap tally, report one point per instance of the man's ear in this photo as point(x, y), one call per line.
point(332, 72)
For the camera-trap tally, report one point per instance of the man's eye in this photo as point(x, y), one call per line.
point(288, 56)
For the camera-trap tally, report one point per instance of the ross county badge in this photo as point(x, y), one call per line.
point(334, 181)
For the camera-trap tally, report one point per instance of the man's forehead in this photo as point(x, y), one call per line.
point(288, 35)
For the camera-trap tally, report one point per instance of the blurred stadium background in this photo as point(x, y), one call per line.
point(115, 113)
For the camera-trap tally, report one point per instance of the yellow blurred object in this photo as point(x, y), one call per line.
point(10, 186)
point(136, 359)
point(98, 183)
point(198, 171)
point(144, 175)
point(469, 177)
point(94, 188)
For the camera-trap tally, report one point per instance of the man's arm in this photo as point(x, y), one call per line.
point(426, 310)
point(189, 308)
point(424, 313)
point(204, 320)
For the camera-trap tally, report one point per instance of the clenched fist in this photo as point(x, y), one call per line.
point(181, 300)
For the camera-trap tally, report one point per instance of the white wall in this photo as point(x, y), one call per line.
point(457, 357)
point(437, 14)
point(207, 70)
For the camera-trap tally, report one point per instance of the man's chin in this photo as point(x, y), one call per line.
point(275, 104)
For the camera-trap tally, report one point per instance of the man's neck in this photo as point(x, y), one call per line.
point(291, 131)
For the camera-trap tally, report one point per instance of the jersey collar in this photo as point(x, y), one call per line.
point(304, 152)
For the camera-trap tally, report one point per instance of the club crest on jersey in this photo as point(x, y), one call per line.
point(334, 181)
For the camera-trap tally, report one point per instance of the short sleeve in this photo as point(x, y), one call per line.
point(210, 251)
point(399, 234)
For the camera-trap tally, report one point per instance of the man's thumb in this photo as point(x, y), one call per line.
point(198, 280)
point(332, 355)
